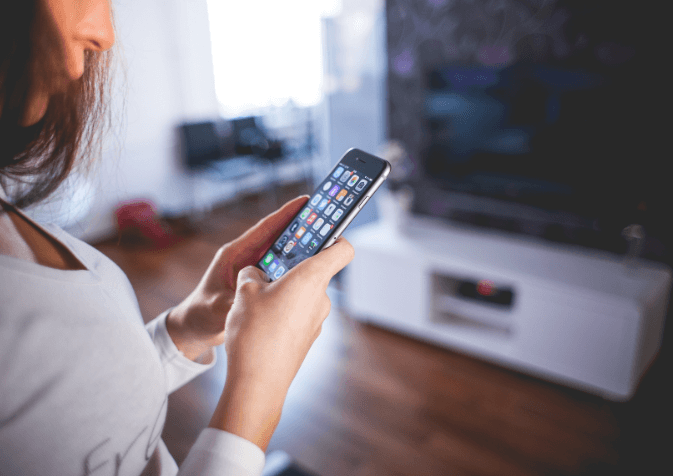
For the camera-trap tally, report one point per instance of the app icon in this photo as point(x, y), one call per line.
point(346, 175)
point(300, 232)
point(349, 200)
point(330, 209)
point(267, 259)
point(291, 263)
point(315, 200)
point(307, 237)
point(305, 213)
point(341, 195)
point(352, 181)
point(318, 224)
point(334, 190)
point(289, 246)
point(324, 203)
point(338, 172)
point(313, 244)
point(294, 226)
point(280, 243)
point(361, 185)
point(337, 214)
point(325, 229)
point(273, 265)
point(279, 272)
point(327, 186)
point(312, 218)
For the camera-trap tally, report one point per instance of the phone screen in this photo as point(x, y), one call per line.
point(336, 201)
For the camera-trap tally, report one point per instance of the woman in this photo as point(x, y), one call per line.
point(84, 383)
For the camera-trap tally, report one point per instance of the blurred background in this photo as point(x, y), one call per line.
point(506, 310)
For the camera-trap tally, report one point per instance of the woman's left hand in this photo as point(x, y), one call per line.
point(197, 323)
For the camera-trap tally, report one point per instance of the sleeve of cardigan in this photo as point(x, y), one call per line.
point(178, 369)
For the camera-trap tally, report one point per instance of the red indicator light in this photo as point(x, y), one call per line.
point(486, 287)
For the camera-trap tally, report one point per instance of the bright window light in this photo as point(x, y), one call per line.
point(266, 52)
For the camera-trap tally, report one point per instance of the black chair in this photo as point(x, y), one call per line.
point(210, 146)
point(232, 150)
point(201, 144)
point(249, 138)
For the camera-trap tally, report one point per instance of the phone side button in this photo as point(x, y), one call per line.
point(363, 202)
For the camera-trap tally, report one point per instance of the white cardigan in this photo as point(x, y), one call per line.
point(84, 385)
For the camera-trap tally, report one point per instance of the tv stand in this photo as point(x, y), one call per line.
point(586, 319)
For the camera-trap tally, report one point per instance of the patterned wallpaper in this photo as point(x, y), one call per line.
point(425, 33)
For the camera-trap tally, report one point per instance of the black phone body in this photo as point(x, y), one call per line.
point(331, 208)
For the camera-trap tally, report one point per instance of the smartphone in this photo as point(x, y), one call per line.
point(331, 208)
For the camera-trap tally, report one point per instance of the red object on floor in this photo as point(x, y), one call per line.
point(141, 215)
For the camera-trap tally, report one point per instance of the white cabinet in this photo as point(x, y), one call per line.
point(577, 317)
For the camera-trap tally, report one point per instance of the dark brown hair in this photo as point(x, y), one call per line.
point(35, 160)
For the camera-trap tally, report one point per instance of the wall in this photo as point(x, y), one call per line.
point(165, 77)
point(422, 34)
point(355, 76)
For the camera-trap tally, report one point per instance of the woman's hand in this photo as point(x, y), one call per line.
point(198, 322)
point(269, 330)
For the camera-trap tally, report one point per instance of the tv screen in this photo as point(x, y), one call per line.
point(552, 132)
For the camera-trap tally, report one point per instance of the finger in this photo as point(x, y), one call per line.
point(250, 276)
point(327, 263)
point(260, 237)
point(326, 307)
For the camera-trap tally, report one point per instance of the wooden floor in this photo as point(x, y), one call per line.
point(370, 402)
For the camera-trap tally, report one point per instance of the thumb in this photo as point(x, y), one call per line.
point(251, 277)
point(328, 262)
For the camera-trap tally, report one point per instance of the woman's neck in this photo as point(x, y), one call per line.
point(22, 239)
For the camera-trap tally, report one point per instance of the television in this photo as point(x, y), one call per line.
point(561, 144)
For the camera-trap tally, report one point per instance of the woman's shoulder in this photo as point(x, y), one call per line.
point(29, 285)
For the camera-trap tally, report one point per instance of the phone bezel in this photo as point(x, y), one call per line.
point(350, 158)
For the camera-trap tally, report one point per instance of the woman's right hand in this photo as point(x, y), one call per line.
point(268, 332)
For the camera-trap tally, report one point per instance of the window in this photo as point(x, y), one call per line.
point(267, 52)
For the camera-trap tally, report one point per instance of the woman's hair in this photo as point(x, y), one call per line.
point(35, 160)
